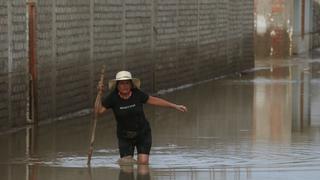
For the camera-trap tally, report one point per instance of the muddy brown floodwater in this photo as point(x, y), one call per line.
point(264, 124)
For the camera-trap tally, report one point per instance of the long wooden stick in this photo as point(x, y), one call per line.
point(94, 121)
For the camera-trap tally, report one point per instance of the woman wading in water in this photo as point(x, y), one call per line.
point(133, 129)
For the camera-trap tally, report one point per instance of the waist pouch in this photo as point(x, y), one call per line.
point(129, 134)
point(132, 134)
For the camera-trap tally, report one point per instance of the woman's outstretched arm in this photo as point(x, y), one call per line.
point(163, 103)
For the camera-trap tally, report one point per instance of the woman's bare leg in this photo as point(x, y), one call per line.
point(143, 158)
point(127, 160)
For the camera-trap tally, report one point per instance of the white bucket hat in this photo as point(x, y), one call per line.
point(123, 75)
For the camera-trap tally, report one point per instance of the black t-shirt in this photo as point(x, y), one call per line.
point(129, 113)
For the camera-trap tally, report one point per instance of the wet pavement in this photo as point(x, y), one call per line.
point(262, 124)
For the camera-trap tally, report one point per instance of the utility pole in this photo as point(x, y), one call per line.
point(32, 55)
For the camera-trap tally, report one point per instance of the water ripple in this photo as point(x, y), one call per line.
point(173, 156)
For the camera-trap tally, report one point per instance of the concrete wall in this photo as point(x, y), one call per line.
point(316, 24)
point(165, 43)
point(13, 63)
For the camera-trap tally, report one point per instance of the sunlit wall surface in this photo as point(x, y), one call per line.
point(274, 28)
point(284, 28)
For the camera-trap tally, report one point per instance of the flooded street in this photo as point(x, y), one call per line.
point(264, 124)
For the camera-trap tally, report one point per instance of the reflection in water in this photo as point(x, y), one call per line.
point(284, 107)
point(31, 150)
point(127, 173)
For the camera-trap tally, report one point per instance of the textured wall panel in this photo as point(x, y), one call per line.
point(207, 39)
point(165, 43)
point(18, 75)
point(13, 64)
point(138, 40)
point(72, 55)
point(247, 28)
point(45, 58)
point(108, 38)
point(4, 115)
point(316, 24)
point(187, 41)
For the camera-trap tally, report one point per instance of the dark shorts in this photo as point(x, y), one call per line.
point(142, 142)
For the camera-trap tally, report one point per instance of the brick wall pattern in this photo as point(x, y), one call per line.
point(13, 64)
point(165, 43)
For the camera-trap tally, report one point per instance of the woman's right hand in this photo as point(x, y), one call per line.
point(100, 87)
point(181, 108)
